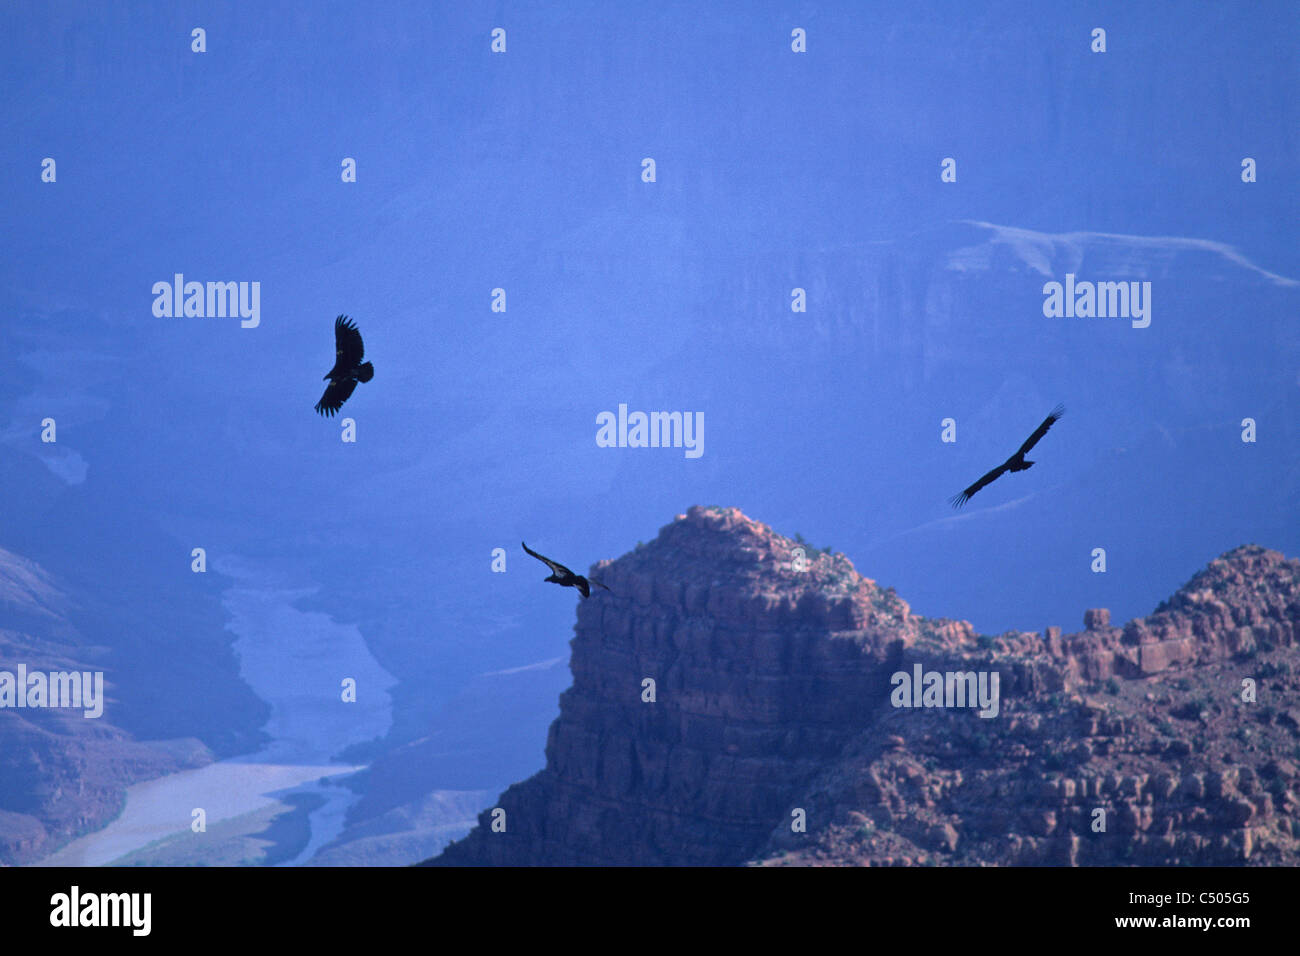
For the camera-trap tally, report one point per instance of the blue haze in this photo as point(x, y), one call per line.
point(522, 171)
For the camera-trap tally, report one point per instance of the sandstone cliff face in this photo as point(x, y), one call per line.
point(772, 695)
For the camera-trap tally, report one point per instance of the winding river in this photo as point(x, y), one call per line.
point(297, 662)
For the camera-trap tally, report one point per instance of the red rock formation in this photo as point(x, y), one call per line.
point(772, 695)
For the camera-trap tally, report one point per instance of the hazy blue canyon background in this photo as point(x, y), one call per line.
point(522, 171)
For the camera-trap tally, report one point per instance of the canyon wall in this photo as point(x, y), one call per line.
point(769, 736)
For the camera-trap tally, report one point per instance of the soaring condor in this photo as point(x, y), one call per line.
point(1015, 463)
point(348, 368)
point(563, 576)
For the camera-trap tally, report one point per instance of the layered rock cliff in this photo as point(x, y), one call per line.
point(772, 733)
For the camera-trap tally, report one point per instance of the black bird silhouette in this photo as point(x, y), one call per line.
point(563, 576)
point(348, 368)
point(1015, 463)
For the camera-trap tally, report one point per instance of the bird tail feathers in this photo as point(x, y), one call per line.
point(365, 372)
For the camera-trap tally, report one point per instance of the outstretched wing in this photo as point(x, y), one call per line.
point(336, 393)
point(958, 500)
point(1041, 430)
point(348, 349)
point(555, 566)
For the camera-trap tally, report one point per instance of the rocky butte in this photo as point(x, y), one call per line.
point(1170, 740)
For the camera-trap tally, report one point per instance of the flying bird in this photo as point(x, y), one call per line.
point(348, 368)
point(563, 576)
point(1016, 462)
